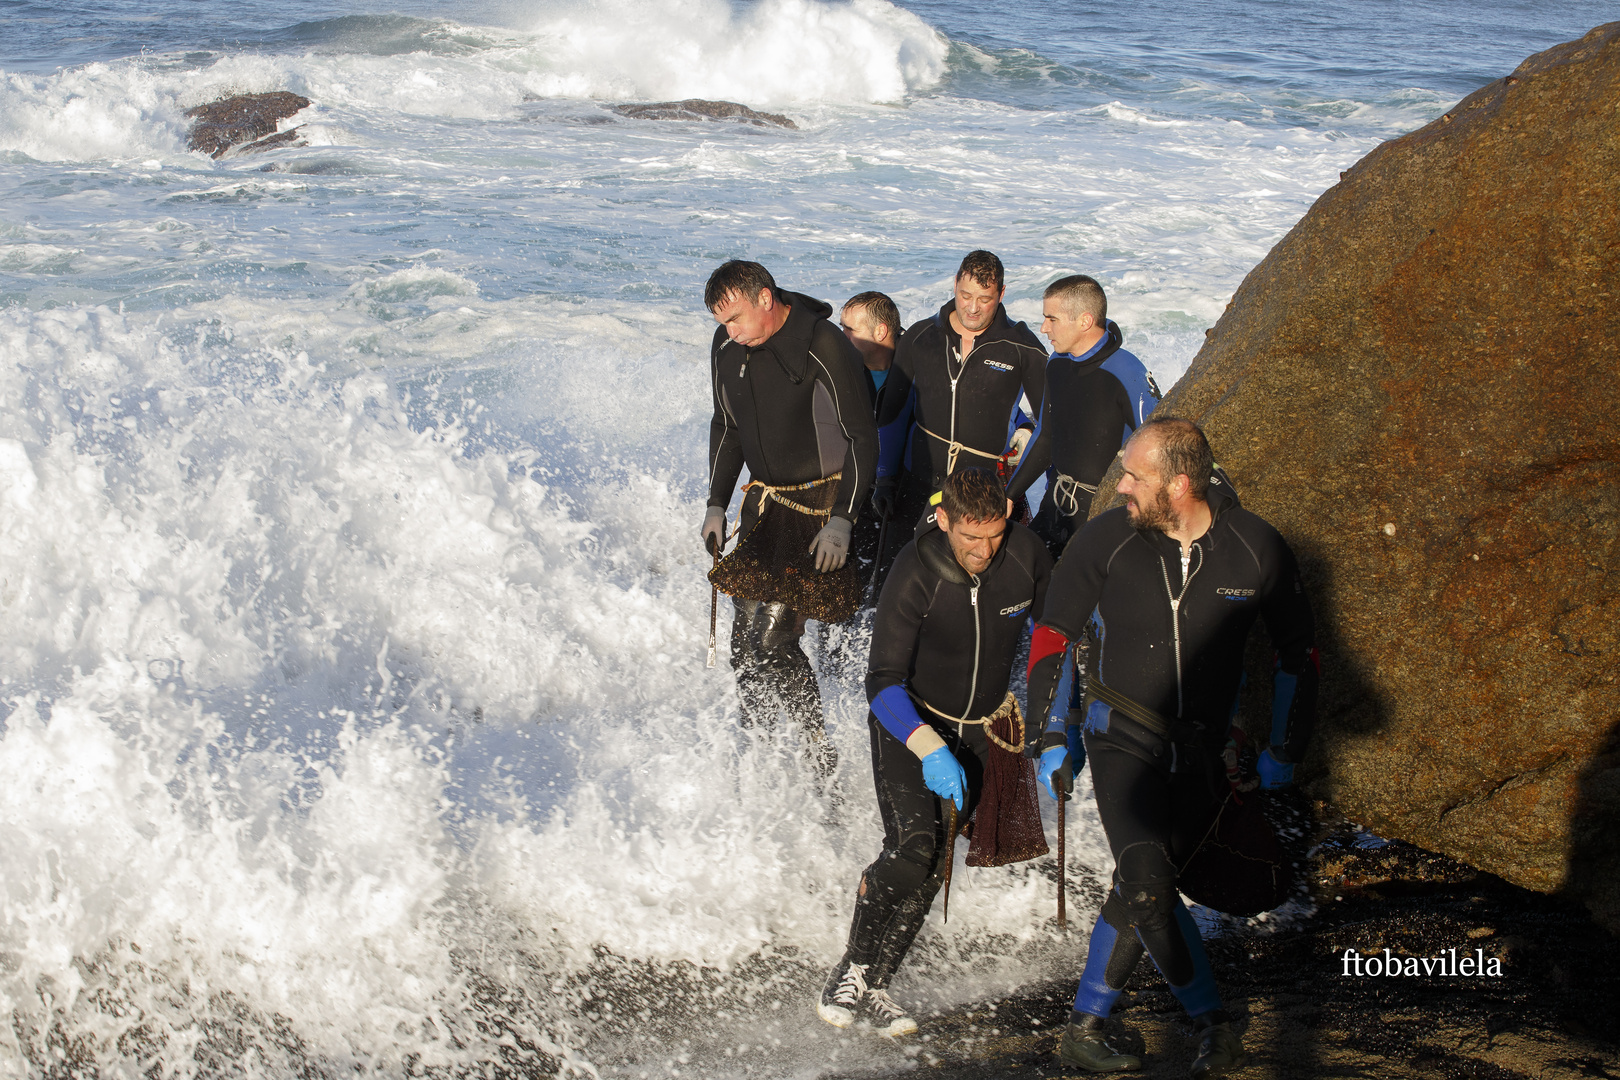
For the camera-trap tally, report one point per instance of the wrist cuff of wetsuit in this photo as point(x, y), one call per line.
point(1279, 754)
point(924, 741)
point(1055, 736)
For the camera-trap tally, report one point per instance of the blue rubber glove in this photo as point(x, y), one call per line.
point(1053, 772)
point(944, 776)
point(1273, 773)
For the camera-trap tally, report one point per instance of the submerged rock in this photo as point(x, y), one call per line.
point(698, 109)
point(1418, 387)
point(249, 119)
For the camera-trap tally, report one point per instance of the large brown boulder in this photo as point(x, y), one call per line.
point(1420, 387)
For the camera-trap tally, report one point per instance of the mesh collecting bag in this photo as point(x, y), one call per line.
point(772, 563)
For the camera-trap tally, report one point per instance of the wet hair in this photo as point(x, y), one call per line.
point(1080, 295)
point(880, 309)
point(985, 269)
point(1183, 451)
point(973, 495)
point(746, 279)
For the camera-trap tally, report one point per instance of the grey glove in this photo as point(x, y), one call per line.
point(714, 529)
point(831, 545)
point(883, 496)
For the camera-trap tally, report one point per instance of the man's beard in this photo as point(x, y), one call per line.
point(1158, 517)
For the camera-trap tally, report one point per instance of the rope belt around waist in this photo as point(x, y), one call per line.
point(1064, 497)
point(1008, 707)
point(953, 448)
point(769, 493)
point(1174, 730)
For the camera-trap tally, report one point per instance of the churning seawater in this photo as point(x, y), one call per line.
point(352, 616)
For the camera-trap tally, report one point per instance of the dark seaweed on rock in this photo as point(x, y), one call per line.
point(699, 109)
point(244, 118)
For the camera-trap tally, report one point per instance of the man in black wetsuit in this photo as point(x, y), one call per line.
point(957, 377)
point(953, 612)
point(791, 403)
point(1096, 395)
point(1171, 584)
point(872, 323)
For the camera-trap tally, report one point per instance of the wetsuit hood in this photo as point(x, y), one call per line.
point(793, 340)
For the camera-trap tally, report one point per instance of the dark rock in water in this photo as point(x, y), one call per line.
point(698, 109)
point(1418, 387)
point(244, 118)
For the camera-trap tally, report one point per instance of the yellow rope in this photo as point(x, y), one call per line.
point(1008, 707)
point(953, 448)
point(769, 493)
point(1063, 495)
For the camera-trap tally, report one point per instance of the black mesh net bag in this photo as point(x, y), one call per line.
point(1006, 826)
point(772, 563)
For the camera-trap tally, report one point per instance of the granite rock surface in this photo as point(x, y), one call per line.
point(1420, 387)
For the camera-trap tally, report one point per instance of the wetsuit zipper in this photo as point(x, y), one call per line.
point(1175, 614)
point(973, 684)
point(954, 380)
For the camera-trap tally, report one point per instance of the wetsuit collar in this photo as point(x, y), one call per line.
point(934, 549)
point(1108, 346)
point(791, 343)
point(1000, 325)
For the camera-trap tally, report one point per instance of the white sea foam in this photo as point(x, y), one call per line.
point(247, 613)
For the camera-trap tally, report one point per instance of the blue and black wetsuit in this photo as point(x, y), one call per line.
point(1093, 402)
point(1171, 640)
point(932, 389)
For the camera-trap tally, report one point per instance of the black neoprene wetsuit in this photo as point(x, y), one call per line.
point(969, 401)
point(794, 409)
point(949, 640)
point(1093, 402)
point(1171, 641)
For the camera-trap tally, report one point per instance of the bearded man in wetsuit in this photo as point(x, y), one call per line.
point(1096, 394)
point(1170, 584)
point(791, 403)
point(957, 378)
point(952, 615)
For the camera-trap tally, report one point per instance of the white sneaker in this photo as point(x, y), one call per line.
point(842, 994)
point(886, 1015)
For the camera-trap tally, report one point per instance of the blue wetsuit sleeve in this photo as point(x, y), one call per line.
point(894, 710)
point(1139, 385)
point(893, 435)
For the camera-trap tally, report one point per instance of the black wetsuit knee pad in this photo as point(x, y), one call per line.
point(1147, 884)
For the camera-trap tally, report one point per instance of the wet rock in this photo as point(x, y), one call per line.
point(698, 109)
point(249, 119)
point(1418, 388)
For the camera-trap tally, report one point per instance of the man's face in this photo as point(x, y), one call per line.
point(1063, 330)
point(1147, 496)
point(974, 543)
point(748, 320)
point(869, 336)
point(975, 303)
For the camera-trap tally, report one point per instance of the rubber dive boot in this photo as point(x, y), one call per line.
point(1219, 1051)
point(1084, 1047)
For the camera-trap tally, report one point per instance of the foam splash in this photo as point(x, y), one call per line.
point(778, 52)
point(338, 740)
